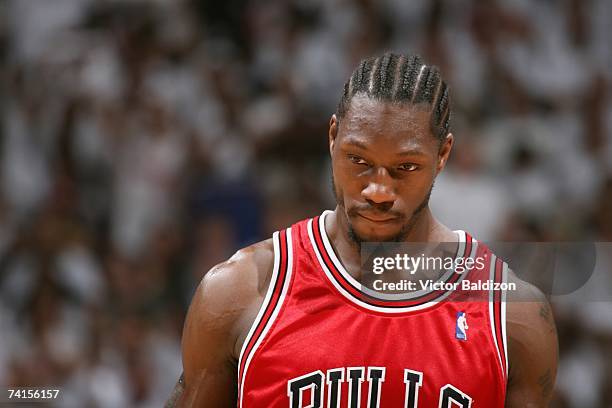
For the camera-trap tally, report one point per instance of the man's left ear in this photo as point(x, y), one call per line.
point(443, 154)
point(333, 132)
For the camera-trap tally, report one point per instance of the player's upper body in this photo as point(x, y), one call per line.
point(286, 323)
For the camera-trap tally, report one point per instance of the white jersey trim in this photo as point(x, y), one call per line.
point(265, 305)
point(492, 311)
point(462, 238)
point(503, 314)
point(368, 306)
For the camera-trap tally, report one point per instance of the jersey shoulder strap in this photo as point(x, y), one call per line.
point(271, 305)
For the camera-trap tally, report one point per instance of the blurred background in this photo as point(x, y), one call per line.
point(142, 142)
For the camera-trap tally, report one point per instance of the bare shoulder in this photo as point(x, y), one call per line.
point(221, 309)
point(532, 345)
point(224, 300)
point(231, 284)
point(527, 303)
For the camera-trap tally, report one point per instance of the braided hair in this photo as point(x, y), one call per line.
point(404, 79)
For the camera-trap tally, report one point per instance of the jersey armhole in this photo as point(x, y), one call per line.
point(272, 303)
point(497, 312)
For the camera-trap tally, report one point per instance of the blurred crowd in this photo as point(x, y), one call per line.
point(142, 142)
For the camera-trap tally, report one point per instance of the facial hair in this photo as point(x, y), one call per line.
point(406, 228)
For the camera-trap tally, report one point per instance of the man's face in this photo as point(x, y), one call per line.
point(384, 161)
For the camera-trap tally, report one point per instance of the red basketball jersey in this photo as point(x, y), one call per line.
point(320, 341)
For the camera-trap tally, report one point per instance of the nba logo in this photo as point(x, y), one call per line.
point(461, 326)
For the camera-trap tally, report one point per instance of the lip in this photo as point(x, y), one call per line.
point(379, 219)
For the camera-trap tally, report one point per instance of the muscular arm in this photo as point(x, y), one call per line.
point(221, 312)
point(532, 348)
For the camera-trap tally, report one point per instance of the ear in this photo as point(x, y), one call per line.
point(443, 154)
point(333, 132)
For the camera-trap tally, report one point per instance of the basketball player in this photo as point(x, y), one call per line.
point(285, 323)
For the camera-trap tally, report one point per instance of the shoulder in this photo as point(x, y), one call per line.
point(242, 274)
point(527, 303)
point(226, 297)
point(227, 293)
point(532, 343)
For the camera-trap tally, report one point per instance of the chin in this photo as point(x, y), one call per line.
point(376, 234)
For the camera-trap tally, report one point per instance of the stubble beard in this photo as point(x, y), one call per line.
point(399, 237)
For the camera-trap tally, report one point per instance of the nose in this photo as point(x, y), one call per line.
point(379, 191)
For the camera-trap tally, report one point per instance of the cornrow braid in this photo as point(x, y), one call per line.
point(404, 79)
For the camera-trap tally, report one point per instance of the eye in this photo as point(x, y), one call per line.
point(408, 167)
point(357, 160)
